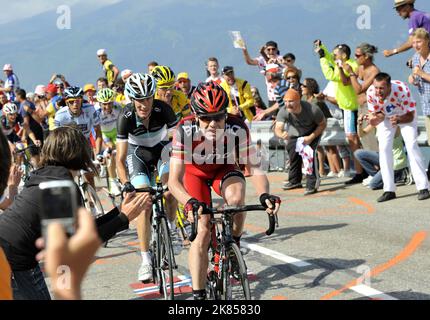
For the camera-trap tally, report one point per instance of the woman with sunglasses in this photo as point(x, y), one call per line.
point(204, 149)
point(361, 81)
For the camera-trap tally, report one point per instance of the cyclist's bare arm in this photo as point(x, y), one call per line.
point(121, 155)
point(99, 139)
point(260, 181)
point(176, 173)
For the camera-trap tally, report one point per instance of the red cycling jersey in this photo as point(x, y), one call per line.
point(210, 163)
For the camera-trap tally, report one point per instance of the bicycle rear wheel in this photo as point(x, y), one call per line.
point(165, 261)
point(92, 201)
point(234, 278)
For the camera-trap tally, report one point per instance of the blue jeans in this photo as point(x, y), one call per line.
point(29, 285)
point(369, 160)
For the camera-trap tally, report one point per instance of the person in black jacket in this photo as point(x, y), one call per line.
point(65, 152)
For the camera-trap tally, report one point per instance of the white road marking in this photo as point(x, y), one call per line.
point(275, 254)
point(361, 289)
point(371, 293)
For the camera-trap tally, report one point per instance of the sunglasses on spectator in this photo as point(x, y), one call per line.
point(216, 118)
point(289, 60)
point(304, 86)
point(271, 49)
point(291, 78)
point(358, 55)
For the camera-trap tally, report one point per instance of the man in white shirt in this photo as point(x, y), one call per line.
point(390, 106)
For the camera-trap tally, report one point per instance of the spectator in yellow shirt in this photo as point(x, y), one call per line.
point(111, 71)
point(239, 94)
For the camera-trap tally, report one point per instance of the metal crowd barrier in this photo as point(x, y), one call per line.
point(333, 135)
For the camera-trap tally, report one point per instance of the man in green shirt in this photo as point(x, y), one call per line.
point(332, 66)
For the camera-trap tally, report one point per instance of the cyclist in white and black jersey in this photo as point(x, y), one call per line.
point(84, 116)
point(144, 128)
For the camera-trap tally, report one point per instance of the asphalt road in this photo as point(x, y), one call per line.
point(337, 244)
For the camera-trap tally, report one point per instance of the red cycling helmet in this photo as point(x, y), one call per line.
point(209, 98)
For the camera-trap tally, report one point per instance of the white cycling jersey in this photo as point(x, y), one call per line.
point(86, 121)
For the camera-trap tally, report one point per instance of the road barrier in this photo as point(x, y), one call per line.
point(333, 135)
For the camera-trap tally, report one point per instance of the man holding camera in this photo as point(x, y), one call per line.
point(333, 66)
point(269, 54)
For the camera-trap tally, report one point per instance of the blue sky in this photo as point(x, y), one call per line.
point(20, 9)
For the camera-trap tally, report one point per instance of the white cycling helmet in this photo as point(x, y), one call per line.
point(140, 86)
point(10, 108)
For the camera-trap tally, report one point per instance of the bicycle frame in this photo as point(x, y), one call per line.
point(226, 252)
point(161, 245)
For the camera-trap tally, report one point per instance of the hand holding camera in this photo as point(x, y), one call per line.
point(318, 49)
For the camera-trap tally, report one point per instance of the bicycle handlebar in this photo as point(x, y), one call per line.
point(227, 210)
point(157, 191)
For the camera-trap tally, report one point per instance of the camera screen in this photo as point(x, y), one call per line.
point(57, 203)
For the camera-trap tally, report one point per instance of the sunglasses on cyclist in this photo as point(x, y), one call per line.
point(210, 118)
point(73, 101)
point(167, 88)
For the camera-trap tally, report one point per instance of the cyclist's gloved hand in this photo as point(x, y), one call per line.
point(193, 205)
point(272, 199)
point(128, 187)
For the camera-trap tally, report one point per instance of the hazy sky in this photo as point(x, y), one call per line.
point(16, 10)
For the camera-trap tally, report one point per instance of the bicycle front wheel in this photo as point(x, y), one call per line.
point(92, 201)
point(165, 261)
point(234, 275)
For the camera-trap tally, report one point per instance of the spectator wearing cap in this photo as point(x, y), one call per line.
point(183, 83)
point(41, 103)
point(269, 54)
point(239, 94)
point(11, 84)
point(417, 19)
point(281, 83)
point(90, 92)
point(55, 102)
point(111, 71)
point(306, 121)
point(125, 74)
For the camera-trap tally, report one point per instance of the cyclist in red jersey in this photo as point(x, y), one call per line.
point(206, 149)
